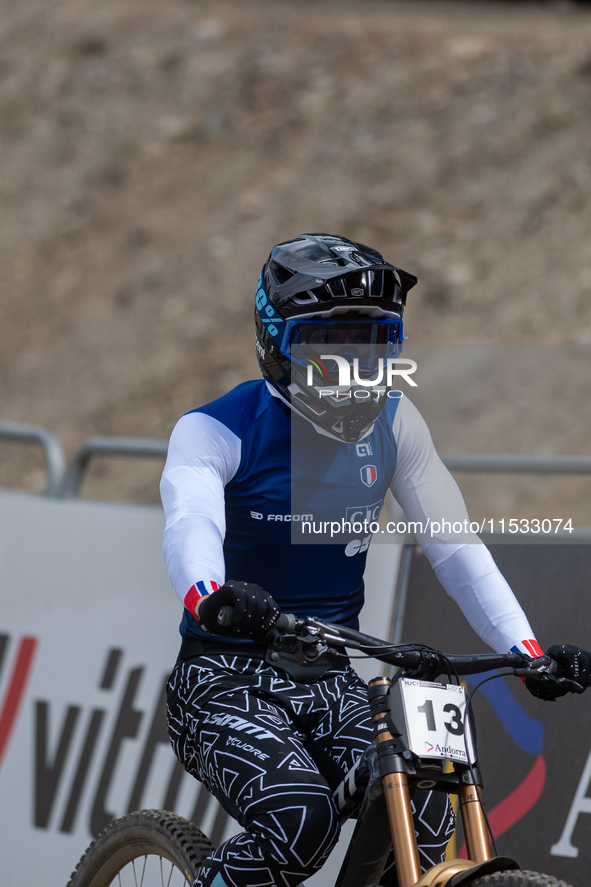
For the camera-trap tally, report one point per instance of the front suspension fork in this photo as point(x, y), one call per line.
point(396, 793)
point(475, 827)
point(397, 797)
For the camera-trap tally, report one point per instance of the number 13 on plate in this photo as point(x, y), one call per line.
point(436, 724)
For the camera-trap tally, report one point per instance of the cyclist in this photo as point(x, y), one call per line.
point(269, 738)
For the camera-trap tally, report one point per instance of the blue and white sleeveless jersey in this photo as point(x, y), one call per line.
point(244, 470)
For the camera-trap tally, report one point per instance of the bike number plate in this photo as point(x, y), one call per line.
point(435, 716)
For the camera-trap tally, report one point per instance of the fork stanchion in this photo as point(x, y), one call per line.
point(475, 828)
point(402, 827)
point(397, 797)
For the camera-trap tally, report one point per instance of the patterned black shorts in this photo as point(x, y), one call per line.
point(272, 750)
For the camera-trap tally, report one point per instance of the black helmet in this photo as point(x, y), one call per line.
point(319, 289)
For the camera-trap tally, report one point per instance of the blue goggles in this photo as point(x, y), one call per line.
point(368, 337)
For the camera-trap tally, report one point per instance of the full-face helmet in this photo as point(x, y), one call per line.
point(324, 303)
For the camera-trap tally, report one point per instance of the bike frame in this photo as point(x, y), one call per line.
point(399, 773)
point(400, 769)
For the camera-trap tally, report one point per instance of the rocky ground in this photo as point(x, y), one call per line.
point(151, 154)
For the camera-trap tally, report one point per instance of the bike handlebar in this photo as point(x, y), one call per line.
point(409, 656)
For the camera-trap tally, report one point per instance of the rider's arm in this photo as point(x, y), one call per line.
point(203, 456)
point(429, 496)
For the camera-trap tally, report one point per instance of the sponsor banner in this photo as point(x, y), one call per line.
point(88, 634)
point(535, 756)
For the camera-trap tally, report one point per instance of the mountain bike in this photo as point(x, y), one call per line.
point(420, 723)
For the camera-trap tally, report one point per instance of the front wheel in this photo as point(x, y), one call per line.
point(517, 879)
point(150, 848)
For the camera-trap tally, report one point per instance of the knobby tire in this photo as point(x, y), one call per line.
point(181, 848)
point(517, 879)
point(133, 841)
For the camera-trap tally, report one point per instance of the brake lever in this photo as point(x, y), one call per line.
point(544, 668)
point(570, 685)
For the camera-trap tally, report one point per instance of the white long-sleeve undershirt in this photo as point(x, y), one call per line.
point(427, 492)
point(204, 455)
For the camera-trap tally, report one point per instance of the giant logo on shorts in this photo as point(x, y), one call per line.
point(369, 475)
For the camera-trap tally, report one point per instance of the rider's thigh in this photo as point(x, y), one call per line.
point(343, 728)
point(249, 754)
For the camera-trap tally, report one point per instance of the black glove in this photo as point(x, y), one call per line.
point(574, 664)
point(255, 611)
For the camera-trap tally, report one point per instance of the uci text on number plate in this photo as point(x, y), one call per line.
point(436, 720)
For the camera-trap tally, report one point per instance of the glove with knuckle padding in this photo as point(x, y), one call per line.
point(573, 663)
point(255, 612)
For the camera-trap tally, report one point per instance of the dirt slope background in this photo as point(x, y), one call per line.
point(151, 154)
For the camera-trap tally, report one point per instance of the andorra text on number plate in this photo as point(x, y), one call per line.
point(436, 723)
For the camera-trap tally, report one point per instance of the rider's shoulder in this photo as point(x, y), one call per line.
point(390, 412)
point(239, 408)
point(404, 421)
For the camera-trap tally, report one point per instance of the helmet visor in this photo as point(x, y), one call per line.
point(364, 334)
point(363, 341)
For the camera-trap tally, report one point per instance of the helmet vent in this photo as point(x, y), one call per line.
point(336, 288)
point(282, 274)
point(302, 300)
point(377, 284)
point(338, 260)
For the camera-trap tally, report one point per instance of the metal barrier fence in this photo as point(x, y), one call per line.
point(65, 483)
point(55, 461)
point(107, 446)
point(499, 463)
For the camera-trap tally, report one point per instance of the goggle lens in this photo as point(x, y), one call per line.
point(343, 334)
point(364, 336)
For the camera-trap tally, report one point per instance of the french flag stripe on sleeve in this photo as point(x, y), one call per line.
point(533, 648)
point(196, 591)
point(191, 598)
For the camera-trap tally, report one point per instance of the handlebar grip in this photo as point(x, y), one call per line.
point(553, 665)
point(225, 614)
point(285, 623)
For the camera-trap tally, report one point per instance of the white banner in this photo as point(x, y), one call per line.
point(88, 633)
